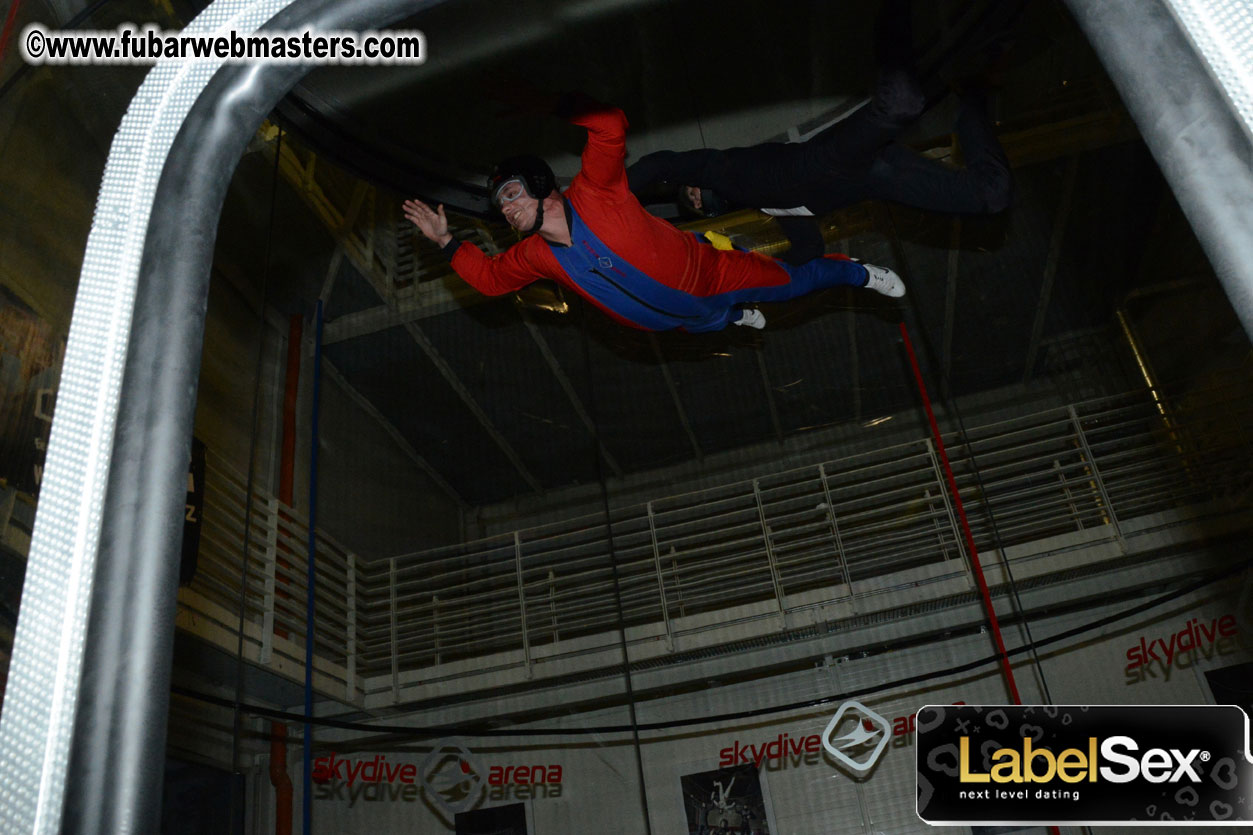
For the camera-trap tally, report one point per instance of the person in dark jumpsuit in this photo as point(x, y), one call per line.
point(855, 159)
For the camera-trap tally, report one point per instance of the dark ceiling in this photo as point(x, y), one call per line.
point(686, 72)
point(502, 399)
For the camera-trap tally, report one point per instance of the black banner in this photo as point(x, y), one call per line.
point(1072, 764)
point(499, 820)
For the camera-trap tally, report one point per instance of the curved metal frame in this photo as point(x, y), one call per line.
point(1189, 125)
point(88, 695)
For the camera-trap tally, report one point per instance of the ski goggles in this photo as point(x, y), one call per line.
point(509, 191)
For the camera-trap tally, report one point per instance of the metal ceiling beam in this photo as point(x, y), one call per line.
point(328, 283)
point(342, 223)
point(454, 381)
point(437, 290)
point(429, 298)
point(564, 382)
point(1050, 264)
point(674, 396)
point(364, 404)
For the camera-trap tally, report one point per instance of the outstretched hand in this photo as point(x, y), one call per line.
point(431, 223)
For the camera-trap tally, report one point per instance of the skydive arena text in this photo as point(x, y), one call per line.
point(132, 45)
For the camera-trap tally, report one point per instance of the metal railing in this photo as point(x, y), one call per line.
point(830, 532)
point(274, 603)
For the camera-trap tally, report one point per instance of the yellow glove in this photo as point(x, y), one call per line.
point(719, 241)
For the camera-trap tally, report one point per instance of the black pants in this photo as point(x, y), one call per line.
point(857, 158)
point(853, 160)
point(832, 168)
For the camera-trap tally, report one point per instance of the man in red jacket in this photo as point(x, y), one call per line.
point(599, 241)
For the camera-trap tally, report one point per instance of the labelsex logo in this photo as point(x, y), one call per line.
point(1094, 764)
point(1039, 765)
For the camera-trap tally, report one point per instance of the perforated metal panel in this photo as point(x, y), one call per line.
point(1222, 31)
point(46, 668)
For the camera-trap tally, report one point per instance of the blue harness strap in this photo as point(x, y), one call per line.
point(617, 285)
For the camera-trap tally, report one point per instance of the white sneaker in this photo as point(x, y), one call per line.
point(753, 318)
point(884, 281)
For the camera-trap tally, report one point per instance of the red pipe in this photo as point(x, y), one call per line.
point(286, 479)
point(279, 778)
point(961, 515)
point(9, 22)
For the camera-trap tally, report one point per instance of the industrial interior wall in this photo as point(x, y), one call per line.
point(770, 774)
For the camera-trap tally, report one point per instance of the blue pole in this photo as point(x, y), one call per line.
point(307, 794)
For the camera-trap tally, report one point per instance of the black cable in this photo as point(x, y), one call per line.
point(613, 563)
point(419, 732)
point(946, 392)
point(1134, 610)
point(236, 719)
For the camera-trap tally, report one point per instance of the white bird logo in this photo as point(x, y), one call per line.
point(858, 736)
point(870, 728)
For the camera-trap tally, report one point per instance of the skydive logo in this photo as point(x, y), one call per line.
point(377, 770)
point(524, 782)
point(784, 745)
point(1217, 636)
point(785, 749)
point(1097, 765)
point(455, 773)
point(451, 778)
point(370, 780)
point(859, 747)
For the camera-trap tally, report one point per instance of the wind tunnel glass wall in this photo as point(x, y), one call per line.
point(575, 577)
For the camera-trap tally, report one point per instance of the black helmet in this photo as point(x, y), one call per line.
point(534, 173)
